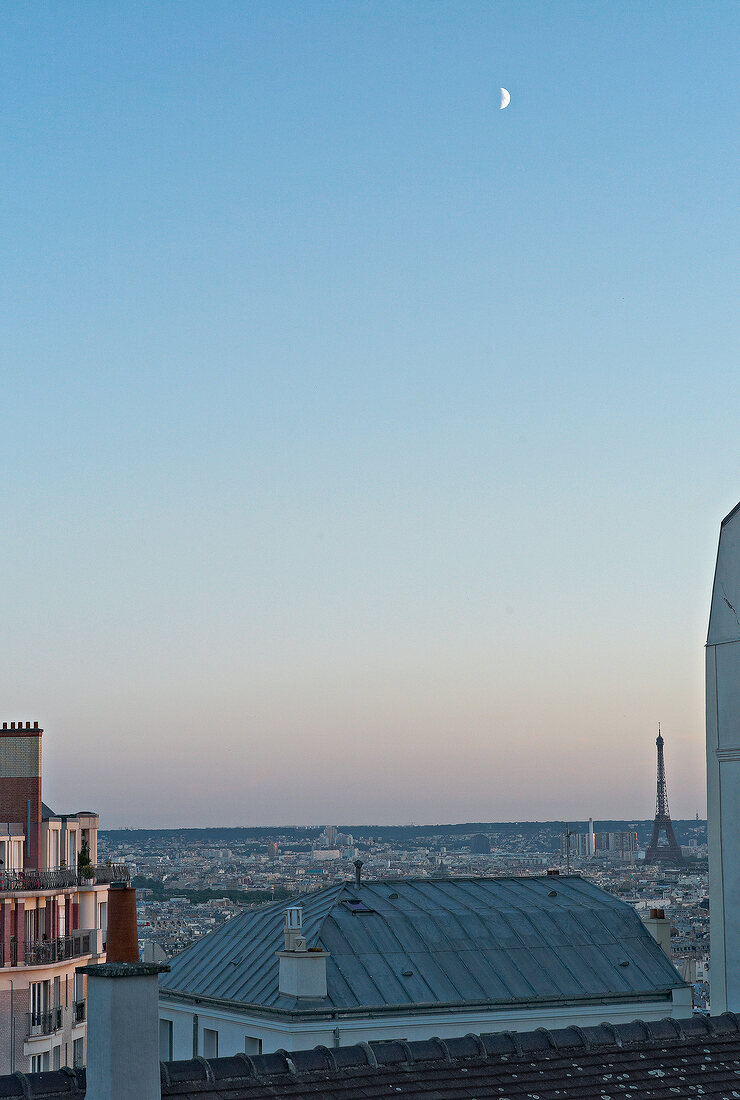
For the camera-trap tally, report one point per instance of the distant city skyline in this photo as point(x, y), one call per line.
point(365, 446)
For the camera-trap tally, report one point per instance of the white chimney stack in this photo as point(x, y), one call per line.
point(302, 969)
point(659, 927)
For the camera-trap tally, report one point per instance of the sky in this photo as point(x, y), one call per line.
point(365, 446)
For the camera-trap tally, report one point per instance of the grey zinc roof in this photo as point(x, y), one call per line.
point(437, 942)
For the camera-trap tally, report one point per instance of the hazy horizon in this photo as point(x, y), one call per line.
point(365, 446)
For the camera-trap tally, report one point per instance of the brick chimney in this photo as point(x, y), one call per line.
point(20, 789)
point(123, 1011)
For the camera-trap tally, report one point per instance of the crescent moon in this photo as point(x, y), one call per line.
point(505, 99)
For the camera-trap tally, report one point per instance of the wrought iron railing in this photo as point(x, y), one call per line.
point(37, 880)
point(44, 952)
point(105, 873)
point(43, 1023)
point(64, 878)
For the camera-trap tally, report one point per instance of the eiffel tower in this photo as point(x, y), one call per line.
point(662, 824)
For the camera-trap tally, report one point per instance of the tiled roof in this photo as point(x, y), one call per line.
point(417, 942)
point(698, 1057)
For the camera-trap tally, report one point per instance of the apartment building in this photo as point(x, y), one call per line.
point(53, 913)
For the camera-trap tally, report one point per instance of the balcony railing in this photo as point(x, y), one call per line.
point(79, 1012)
point(105, 873)
point(43, 1023)
point(100, 875)
point(45, 952)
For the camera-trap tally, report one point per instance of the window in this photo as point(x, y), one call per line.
point(56, 1058)
point(40, 1062)
point(210, 1043)
point(252, 1046)
point(39, 1003)
point(165, 1040)
point(78, 1058)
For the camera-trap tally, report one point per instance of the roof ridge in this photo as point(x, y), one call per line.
point(505, 1045)
point(378, 1057)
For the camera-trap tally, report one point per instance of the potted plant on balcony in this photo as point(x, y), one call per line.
point(85, 869)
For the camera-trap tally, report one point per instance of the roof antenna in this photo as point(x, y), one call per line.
point(358, 872)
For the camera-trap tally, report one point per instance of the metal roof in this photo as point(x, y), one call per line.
point(437, 942)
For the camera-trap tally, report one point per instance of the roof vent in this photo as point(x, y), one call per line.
point(293, 929)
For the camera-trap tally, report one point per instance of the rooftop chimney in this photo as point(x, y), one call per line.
point(122, 1007)
point(358, 873)
point(659, 927)
point(293, 929)
point(20, 791)
point(302, 970)
point(122, 937)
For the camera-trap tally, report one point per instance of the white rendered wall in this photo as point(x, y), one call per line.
point(122, 1037)
point(233, 1027)
point(723, 769)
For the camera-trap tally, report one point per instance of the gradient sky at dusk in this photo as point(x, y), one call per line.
point(364, 446)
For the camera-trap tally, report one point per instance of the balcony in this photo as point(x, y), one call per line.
point(104, 873)
point(43, 1023)
point(63, 879)
point(45, 952)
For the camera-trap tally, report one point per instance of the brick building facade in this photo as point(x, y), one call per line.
point(53, 913)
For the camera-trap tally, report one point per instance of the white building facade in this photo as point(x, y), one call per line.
point(723, 768)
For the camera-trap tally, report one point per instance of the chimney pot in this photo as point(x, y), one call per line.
point(358, 872)
point(123, 937)
point(12, 725)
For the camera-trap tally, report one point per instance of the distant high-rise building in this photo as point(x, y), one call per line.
point(619, 845)
point(272, 849)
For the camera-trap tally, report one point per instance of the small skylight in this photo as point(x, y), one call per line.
point(356, 906)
